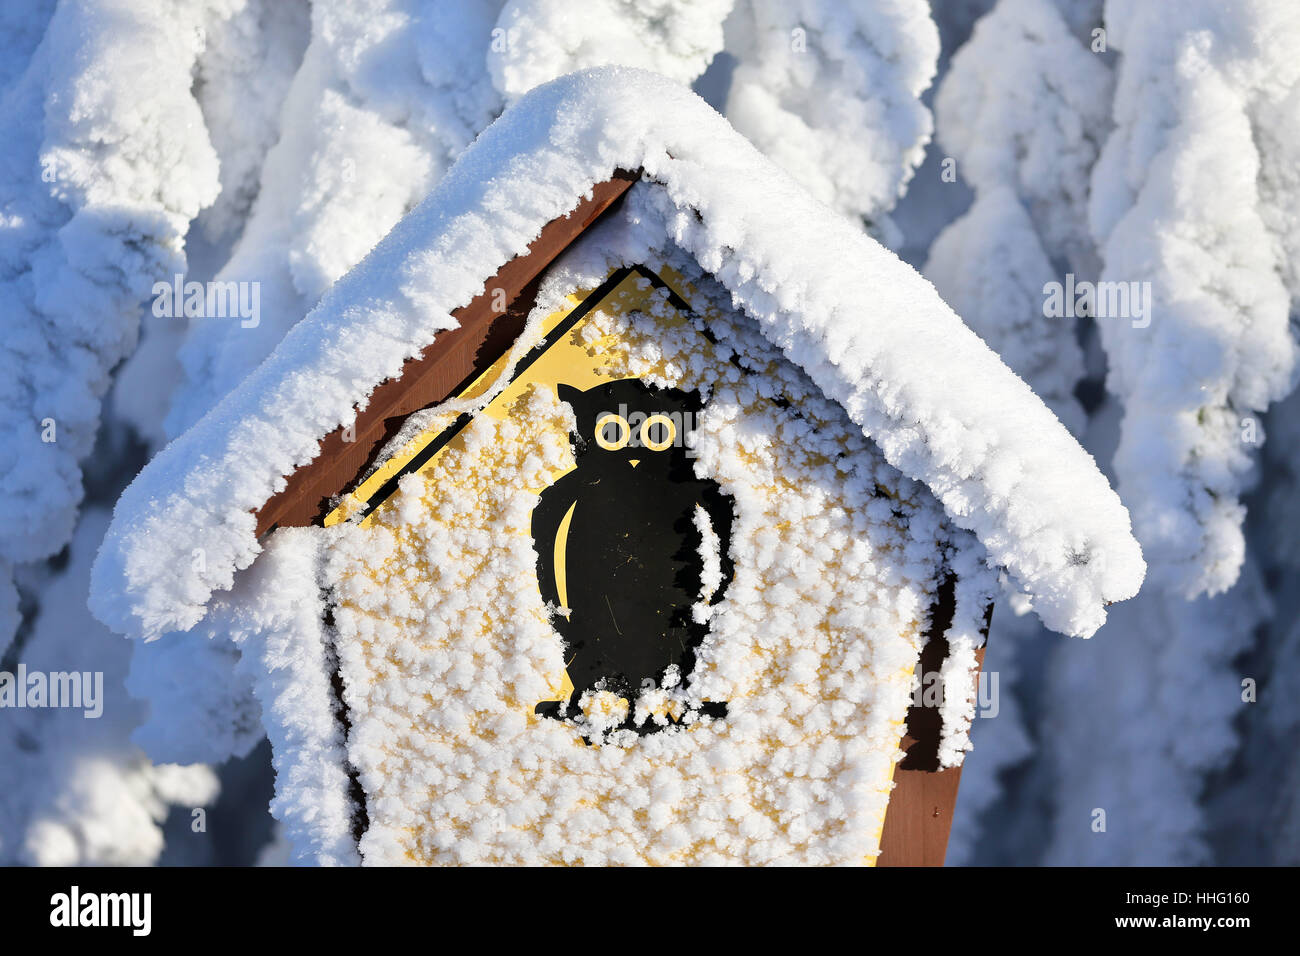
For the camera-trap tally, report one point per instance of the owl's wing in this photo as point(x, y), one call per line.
point(718, 505)
point(548, 515)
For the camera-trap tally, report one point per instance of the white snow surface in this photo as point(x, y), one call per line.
point(397, 90)
point(976, 588)
point(97, 187)
point(1022, 112)
point(710, 565)
point(274, 616)
point(990, 266)
point(77, 792)
point(871, 333)
point(1025, 106)
point(537, 40)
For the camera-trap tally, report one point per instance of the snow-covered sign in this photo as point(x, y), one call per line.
point(609, 517)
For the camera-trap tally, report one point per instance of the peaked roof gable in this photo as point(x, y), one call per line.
point(869, 330)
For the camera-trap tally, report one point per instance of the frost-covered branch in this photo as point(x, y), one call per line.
point(1022, 111)
point(1180, 200)
point(800, 94)
point(98, 187)
point(538, 40)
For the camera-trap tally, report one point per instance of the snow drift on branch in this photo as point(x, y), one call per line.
point(798, 93)
point(1178, 201)
point(1025, 106)
point(1021, 110)
point(395, 90)
point(97, 188)
point(989, 266)
point(76, 791)
point(538, 40)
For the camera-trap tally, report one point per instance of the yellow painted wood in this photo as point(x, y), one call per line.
point(568, 361)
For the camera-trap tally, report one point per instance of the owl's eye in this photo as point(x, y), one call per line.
point(658, 432)
point(612, 432)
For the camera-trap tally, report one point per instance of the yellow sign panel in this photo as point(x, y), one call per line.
point(640, 622)
point(577, 601)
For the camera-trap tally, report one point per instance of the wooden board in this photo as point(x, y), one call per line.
point(920, 811)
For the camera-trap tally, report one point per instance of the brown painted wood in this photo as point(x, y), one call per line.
point(919, 817)
point(455, 357)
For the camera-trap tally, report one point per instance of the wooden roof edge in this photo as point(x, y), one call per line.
point(434, 375)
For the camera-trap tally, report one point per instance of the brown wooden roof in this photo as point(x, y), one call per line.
point(438, 372)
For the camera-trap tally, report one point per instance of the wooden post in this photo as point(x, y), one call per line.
point(920, 811)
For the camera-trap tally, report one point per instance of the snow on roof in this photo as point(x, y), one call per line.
point(870, 331)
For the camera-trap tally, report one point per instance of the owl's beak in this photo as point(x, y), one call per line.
point(634, 462)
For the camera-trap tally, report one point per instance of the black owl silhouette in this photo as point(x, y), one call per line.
point(631, 556)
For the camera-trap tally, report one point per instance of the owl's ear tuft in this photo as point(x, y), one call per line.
point(568, 393)
point(578, 400)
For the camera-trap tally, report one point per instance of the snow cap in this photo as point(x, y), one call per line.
point(869, 330)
